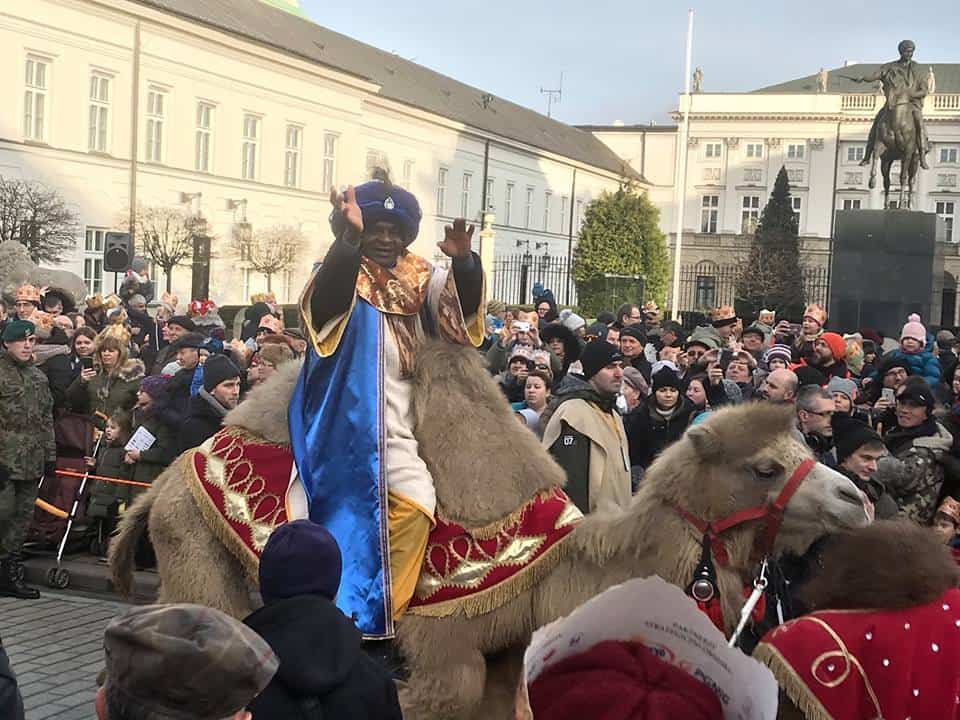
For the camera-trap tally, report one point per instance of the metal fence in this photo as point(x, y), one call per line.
point(515, 275)
point(705, 285)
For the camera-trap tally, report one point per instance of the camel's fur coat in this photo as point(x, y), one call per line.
point(740, 457)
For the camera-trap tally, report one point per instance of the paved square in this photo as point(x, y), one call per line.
point(55, 645)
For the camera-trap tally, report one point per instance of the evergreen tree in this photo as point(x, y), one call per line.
point(772, 278)
point(620, 236)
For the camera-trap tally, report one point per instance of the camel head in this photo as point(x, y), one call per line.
point(742, 458)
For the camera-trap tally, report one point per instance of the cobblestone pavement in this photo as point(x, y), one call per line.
point(55, 645)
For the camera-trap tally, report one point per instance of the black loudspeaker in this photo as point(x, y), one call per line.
point(886, 265)
point(117, 252)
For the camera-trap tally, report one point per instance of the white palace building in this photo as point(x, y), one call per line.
point(739, 141)
point(242, 111)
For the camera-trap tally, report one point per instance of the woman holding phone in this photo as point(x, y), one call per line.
point(110, 383)
point(62, 370)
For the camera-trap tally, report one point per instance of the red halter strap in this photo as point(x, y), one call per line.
point(773, 512)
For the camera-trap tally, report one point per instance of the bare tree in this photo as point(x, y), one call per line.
point(270, 250)
point(37, 217)
point(165, 236)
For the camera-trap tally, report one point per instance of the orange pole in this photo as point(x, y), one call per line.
point(52, 509)
point(116, 481)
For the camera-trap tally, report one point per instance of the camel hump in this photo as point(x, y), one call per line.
point(482, 472)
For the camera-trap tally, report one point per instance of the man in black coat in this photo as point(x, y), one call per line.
point(218, 396)
point(324, 672)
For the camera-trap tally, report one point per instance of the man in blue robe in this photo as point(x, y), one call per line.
point(366, 309)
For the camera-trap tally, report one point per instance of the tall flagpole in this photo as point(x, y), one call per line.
point(682, 172)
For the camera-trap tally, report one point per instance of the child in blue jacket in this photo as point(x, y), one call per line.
point(916, 350)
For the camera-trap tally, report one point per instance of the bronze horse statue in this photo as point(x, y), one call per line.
point(896, 140)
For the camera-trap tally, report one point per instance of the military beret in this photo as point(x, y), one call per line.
point(18, 330)
point(183, 660)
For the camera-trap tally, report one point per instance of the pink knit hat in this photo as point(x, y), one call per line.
point(914, 329)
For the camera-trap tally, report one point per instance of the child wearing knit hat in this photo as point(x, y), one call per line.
point(914, 353)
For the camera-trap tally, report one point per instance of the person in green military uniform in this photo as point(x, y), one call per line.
point(27, 448)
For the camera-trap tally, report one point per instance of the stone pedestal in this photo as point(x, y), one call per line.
point(885, 265)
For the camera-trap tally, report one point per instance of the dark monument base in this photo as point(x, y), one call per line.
point(886, 264)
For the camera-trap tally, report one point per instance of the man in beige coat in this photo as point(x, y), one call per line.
point(585, 433)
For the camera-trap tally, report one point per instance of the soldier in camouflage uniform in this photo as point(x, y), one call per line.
point(912, 473)
point(27, 448)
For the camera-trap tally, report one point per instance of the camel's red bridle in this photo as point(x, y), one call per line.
point(773, 512)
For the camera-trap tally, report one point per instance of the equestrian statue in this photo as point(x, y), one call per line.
point(898, 132)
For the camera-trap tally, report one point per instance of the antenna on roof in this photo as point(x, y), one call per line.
point(553, 95)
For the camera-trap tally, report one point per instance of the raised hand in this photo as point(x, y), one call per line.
point(456, 240)
point(346, 204)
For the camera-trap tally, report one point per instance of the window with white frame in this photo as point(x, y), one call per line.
point(528, 208)
point(711, 150)
point(564, 209)
point(251, 146)
point(855, 153)
point(851, 203)
point(376, 159)
point(37, 86)
point(749, 214)
point(490, 188)
point(204, 137)
point(945, 209)
point(98, 132)
point(291, 156)
point(796, 151)
point(507, 203)
point(465, 189)
point(329, 161)
point(711, 175)
point(286, 285)
point(442, 191)
point(948, 156)
point(797, 204)
point(755, 150)
point(408, 166)
point(547, 197)
point(709, 213)
point(93, 259)
point(156, 119)
point(752, 175)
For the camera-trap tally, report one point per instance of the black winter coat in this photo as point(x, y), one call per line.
point(323, 671)
point(201, 422)
point(648, 432)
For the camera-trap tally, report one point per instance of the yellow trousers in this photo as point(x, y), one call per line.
point(408, 526)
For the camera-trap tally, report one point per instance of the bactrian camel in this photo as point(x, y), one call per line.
point(485, 468)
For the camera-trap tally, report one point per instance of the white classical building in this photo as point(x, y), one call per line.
point(739, 141)
point(242, 111)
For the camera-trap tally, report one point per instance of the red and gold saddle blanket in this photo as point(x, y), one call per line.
point(240, 485)
point(844, 664)
point(475, 572)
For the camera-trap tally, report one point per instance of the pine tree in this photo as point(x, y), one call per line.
point(620, 236)
point(772, 278)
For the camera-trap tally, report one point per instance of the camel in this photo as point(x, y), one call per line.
point(739, 458)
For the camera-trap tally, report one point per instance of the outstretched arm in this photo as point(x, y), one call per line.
point(334, 281)
point(467, 270)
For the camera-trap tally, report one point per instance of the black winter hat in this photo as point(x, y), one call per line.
point(807, 375)
point(635, 331)
point(300, 558)
point(916, 391)
point(183, 321)
point(189, 340)
point(217, 369)
point(596, 355)
point(665, 377)
point(850, 435)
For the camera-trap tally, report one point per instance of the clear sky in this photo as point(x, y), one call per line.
point(623, 60)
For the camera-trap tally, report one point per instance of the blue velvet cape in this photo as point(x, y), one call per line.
point(337, 438)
